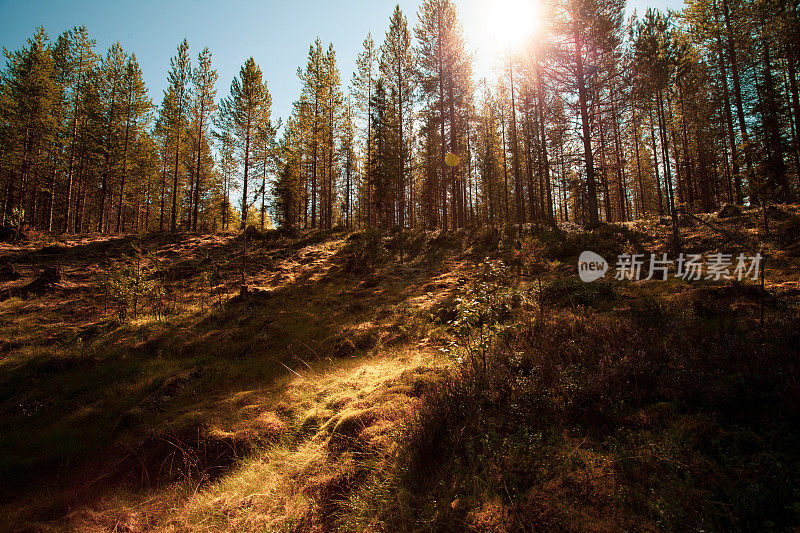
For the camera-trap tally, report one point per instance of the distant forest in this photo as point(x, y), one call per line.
point(597, 118)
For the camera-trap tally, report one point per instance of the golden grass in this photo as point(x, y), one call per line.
point(351, 410)
point(314, 377)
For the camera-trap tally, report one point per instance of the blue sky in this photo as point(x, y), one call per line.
point(276, 33)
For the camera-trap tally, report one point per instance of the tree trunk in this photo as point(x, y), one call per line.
point(107, 169)
point(794, 102)
point(455, 211)
point(120, 219)
point(314, 165)
point(737, 92)
point(545, 159)
point(505, 166)
point(668, 173)
point(591, 185)
point(515, 156)
point(402, 162)
point(621, 186)
point(174, 215)
point(642, 207)
point(200, 126)
point(163, 190)
point(244, 186)
point(603, 163)
point(443, 149)
point(737, 178)
point(72, 145)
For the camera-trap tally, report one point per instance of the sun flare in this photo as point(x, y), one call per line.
point(501, 27)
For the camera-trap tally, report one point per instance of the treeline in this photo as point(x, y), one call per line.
point(83, 148)
point(596, 118)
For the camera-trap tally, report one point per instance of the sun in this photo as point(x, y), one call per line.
point(511, 22)
point(500, 27)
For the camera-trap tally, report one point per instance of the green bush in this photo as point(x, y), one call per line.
point(574, 292)
point(680, 426)
point(608, 240)
point(132, 285)
point(367, 249)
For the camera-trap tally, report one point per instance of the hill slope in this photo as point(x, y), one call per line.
point(399, 381)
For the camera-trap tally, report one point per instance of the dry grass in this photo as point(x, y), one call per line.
point(300, 407)
point(111, 407)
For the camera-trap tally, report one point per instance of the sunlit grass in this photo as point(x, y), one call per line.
point(313, 385)
point(205, 367)
point(274, 488)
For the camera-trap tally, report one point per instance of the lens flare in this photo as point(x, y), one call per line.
point(502, 27)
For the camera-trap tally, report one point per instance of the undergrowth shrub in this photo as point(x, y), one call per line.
point(14, 221)
point(485, 239)
point(573, 292)
point(134, 284)
point(786, 232)
point(679, 419)
point(481, 313)
point(438, 243)
point(406, 245)
point(367, 249)
point(608, 240)
point(211, 279)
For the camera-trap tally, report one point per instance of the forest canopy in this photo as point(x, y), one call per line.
point(588, 116)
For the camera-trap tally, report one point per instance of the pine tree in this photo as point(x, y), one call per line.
point(348, 155)
point(312, 102)
point(444, 76)
point(397, 70)
point(384, 157)
point(227, 171)
point(203, 106)
point(589, 27)
point(331, 118)
point(32, 102)
point(135, 110)
point(111, 88)
point(489, 156)
point(265, 153)
point(162, 133)
point(655, 57)
point(75, 58)
point(363, 83)
point(6, 138)
point(288, 184)
point(774, 183)
point(240, 115)
point(178, 78)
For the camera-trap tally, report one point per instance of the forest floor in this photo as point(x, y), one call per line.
point(463, 381)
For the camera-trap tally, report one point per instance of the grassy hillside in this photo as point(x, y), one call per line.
point(399, 381)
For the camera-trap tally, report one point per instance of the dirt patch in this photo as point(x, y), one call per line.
point(196, 454)
point(46, 282)
point(9, 272)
